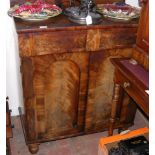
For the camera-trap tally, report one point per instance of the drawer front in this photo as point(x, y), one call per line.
point(139, 96)
point(117, 37)
point(41, 43)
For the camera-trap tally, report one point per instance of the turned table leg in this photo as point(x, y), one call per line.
point(115, 100)
point(33, 148)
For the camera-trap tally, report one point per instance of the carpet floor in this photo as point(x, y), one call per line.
point(81, 145)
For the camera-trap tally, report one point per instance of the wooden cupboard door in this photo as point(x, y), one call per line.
point(58, 85)
point(143, 29)
point(100, 88)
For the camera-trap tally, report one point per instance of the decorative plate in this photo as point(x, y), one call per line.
point(37, 11)
point(118, 13)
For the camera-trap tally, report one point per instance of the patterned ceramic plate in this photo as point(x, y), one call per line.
point(34, 12)
point(118, 13)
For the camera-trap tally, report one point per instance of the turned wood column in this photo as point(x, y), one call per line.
point(115, 100)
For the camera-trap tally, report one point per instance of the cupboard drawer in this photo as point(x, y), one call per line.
point(117, 38)
point(52, 42)
point(134, 91)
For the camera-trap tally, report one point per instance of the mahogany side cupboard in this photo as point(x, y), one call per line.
point(67, 77)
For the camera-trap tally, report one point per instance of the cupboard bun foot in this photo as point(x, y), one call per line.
point(33, 148)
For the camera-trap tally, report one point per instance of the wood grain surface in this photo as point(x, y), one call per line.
point(67, 76)
point(100, 88)
point(59, 86)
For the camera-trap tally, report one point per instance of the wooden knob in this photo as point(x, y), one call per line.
point(126, 84)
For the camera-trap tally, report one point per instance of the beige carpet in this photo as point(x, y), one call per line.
point(81, 145)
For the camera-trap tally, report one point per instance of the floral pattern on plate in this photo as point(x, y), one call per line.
point(34, 11)
point(118, 13)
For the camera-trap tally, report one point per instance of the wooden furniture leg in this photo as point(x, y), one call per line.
point(115, 100)
point(33, 148)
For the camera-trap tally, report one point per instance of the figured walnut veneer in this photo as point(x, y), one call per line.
point(68, 79)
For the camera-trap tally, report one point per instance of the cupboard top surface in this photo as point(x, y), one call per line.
point(61, 22)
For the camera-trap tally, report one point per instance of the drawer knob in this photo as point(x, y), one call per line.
point(126, 84)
